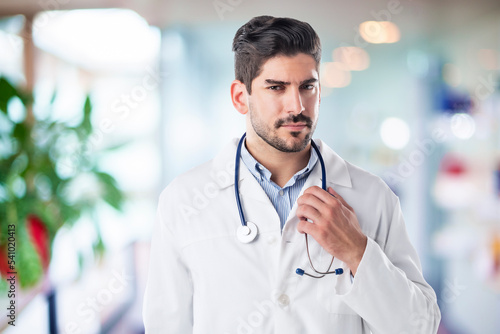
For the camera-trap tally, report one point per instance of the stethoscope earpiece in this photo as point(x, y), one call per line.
point(301, 272)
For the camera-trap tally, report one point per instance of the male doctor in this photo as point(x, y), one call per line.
point(203, 279)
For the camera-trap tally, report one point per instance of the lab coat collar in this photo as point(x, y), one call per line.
point(336, 168)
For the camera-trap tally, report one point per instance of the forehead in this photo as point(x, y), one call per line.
point(289, 68)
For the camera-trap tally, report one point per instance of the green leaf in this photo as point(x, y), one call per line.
point(86, 123)
point(112, 195)
point(21, 133)
point(53, 98)
point(7, 91)
point(29, 266)
point(69, 213)
point(81, 263)
point(4, 286)
point(99, 246)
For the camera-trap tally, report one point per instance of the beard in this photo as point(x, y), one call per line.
point(270, 136)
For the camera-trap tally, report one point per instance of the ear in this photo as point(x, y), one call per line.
point(239, 96)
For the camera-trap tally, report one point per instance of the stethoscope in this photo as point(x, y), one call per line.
point(247, 232)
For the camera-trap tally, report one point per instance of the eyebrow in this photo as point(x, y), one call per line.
point(286, 83)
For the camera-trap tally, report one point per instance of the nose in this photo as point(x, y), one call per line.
point(294, 102)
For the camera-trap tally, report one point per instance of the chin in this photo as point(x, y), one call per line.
point(299, 135)
point(299, 142)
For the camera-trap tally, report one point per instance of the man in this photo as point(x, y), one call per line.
point(202, 279)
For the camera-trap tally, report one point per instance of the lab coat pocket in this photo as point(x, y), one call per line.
point(330, 287)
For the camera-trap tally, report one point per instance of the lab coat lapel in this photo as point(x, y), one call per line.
point(223, 168)
point(337, 175)
point(256, 205)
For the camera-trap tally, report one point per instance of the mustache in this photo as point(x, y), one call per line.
point(300, 118)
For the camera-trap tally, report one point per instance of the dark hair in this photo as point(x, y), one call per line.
point(264, 37)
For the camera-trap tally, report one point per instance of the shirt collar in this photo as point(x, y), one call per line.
point(260, 172)
point(338, 170)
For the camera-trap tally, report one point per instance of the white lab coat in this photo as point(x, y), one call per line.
point(203, 280)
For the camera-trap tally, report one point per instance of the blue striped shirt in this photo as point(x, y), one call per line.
point(282, 198)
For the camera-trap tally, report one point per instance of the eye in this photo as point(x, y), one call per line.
point(274, 87)
point(308, 87)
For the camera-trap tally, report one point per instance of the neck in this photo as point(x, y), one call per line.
point(282, 165)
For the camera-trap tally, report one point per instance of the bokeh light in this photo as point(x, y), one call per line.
point(335, 75)
point(377, 32)
point(356, 59)
point(395, 133)
point(463, 126)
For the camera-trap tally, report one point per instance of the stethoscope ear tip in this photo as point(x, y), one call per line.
point(301, 272)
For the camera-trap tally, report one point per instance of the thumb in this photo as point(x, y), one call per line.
point(332, 192)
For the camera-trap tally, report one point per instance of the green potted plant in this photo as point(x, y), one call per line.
point(42, 164)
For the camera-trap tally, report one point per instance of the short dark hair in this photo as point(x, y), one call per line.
point(264, 37)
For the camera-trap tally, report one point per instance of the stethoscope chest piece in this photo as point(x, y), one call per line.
point(247, 233)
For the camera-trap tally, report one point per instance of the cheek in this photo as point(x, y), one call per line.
point(311, 104)
point(269, 108)
point(272, 104)
point(312, 100)
point(259, 114)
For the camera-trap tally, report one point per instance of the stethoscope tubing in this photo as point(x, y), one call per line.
point(237, 175)
point(299, 271)
point(236, 180)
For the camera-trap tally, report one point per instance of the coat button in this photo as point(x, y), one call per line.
point(283, 300)
point(271, 240)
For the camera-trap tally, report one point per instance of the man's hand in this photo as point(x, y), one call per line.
point(335, 225)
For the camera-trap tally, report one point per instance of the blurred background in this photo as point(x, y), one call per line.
point(103, 103)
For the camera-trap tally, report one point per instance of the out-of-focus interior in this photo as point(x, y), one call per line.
point(103, 103)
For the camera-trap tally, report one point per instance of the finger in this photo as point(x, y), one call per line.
point(340, 198)
point(305, 211)
point(306, 227)
point(316, 191)
point(311, 200)
point(322, 195)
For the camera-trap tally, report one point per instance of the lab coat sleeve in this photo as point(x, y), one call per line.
point(389, 291)
point(168, 298)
